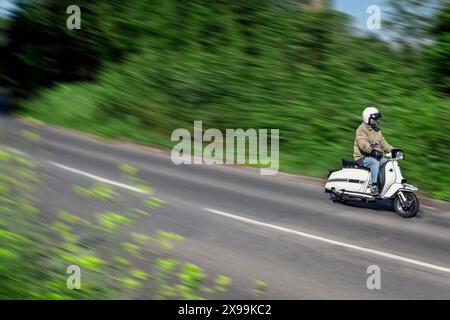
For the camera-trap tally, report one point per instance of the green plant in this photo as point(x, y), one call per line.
point(116, 262)
point(257, 66)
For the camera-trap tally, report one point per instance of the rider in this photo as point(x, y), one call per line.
point(370, 144)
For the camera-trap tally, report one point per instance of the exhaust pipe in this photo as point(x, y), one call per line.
point(356, 195)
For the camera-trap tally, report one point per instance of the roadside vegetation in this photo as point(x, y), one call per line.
point(140, 69)
point(38, 241)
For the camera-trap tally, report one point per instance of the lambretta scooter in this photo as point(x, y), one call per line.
point(352, 182)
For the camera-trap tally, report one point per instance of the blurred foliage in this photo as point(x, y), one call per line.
point(116, 262)
point(149, 67)
point(439, 52)
point(4, 56)
point(260, 288)
point(410, 20)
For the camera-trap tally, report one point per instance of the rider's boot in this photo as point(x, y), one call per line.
point(374, 190)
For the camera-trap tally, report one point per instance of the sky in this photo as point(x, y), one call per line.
point(5, 5)
point(357, 9)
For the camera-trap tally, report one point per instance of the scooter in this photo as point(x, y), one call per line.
point(352, 182)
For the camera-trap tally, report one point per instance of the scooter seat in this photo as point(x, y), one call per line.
point(352, 164)
point(349, 163)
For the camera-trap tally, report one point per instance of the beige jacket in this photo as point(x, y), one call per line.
point(364, 135)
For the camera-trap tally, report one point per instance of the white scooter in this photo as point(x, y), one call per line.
point(352, 182)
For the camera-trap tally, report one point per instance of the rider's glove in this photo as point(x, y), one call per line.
point(376, 154)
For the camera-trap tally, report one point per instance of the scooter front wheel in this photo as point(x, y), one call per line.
point(408, 208)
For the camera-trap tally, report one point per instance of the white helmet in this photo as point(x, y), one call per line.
point(371, 112)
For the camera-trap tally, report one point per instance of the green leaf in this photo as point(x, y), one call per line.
point(31, 135)
point(260, 287)
point(3, 189)
point(145, 188)
point(61, 227)
point(130, 248)
point(25, 162)
point(111, 221)
point(223, 281)
point(169, 235)
point(130, 283)
point(7, 254)
point(5, 155)
point(27, 208)
point(82, 191)
point(70, 247)
point(68, 217)
point(102, 191)
point(191, 275)
point(127, 169)
point(122, 261)
point(155, 202)
point(89, 262)
point(139, 274)
point(10, 237)
point(166, 264)
point(140, 238)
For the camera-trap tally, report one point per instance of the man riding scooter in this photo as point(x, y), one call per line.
point(369, 146)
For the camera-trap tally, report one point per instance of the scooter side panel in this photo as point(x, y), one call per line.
point(348, 179)
point(393, 179)
point(389, 178)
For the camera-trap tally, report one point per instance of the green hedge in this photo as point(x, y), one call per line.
point(232, 66)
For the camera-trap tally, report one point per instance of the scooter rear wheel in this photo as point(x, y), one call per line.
point(410, 209)
point(336, 197)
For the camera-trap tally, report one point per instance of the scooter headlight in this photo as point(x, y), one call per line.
point(400, 155)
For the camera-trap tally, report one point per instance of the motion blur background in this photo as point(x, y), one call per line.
point(138, 70)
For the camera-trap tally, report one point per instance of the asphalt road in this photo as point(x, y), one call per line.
point(280, 230)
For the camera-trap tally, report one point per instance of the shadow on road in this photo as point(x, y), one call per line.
point(380, 205)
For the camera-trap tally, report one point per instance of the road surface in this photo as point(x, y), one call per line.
point(280, 230)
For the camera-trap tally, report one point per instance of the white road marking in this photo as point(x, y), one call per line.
point(251, 221)
point(89, 175)
point(330, 241)
point(15, 151)
point(73, 170)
